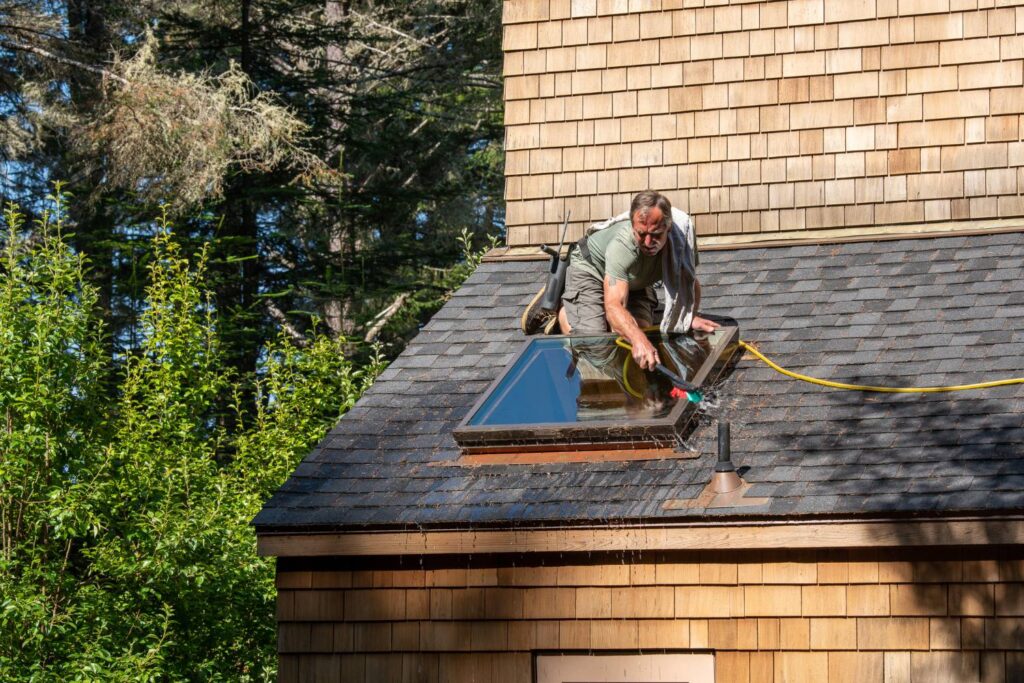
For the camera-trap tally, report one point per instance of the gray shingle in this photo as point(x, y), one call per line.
point(941, 310)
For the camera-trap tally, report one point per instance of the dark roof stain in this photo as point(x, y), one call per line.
point(934, 311)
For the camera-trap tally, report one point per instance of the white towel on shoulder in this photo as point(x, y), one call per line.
point(678, 270)
point(679, 274)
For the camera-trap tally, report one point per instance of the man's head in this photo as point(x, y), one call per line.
point(651, 216)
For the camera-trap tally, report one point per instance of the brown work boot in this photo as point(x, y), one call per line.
point(551, 326)
point(536, 319)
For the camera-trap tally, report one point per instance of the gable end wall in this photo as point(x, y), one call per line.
point(759, 117)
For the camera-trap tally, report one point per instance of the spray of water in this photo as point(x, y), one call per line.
point(710, 406)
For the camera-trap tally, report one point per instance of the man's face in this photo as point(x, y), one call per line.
point(649, 231)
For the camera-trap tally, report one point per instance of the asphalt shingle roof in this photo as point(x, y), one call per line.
point(908, 312)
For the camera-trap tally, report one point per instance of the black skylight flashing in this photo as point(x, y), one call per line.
point(614, 434)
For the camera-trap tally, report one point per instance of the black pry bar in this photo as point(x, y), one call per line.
point(561, 242)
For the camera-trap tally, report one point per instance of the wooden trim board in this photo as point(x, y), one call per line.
point(874, 233)
point(583, 455)
point(727, 536)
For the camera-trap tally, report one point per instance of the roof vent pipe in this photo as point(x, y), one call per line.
point(725, 478)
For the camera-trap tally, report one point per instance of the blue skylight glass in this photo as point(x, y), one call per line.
point(570, 380)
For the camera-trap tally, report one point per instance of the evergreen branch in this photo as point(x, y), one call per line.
point(382, 318)
point(66, 61)
point(282, 320)
point(392, 29)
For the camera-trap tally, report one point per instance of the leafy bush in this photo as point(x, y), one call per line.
point(125, 498)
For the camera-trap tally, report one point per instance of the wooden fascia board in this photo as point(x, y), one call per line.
point(727, 536)
point(790, 238)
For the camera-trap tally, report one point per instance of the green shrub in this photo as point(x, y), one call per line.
point(125, 547)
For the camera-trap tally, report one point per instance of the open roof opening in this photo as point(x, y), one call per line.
point(586, 392)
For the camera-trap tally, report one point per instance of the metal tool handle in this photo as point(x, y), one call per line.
point(676, 379)
point(556, 275)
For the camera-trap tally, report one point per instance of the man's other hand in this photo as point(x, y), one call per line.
point(645, 354)
point(703, 324)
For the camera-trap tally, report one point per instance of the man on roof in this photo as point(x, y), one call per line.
point(612, 272)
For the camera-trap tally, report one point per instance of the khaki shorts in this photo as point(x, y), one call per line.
point(583, 300)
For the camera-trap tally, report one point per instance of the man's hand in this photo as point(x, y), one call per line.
point(616, 293)
point(704, 325)
point(644, 353)
point(698, 323)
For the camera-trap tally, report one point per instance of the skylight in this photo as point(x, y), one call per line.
point(587, 392)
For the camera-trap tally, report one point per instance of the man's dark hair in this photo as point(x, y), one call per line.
point(647, 200)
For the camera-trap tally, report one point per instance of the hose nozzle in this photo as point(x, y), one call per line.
point(691, 396)
point(680, 386)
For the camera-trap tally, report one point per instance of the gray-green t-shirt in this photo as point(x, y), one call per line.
point(614, 252)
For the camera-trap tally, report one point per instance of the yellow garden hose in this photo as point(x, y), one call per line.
point(864, 387)
point(746, 346)
point(625, 374)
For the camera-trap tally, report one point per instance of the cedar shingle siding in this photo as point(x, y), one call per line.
point(762, 116)
point(858, 617)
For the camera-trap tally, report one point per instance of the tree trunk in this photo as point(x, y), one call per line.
point(236, 266)
point(94, 234)
point(335, 309)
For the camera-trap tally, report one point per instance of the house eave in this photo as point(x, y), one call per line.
point(786, 238)
point(724, 535)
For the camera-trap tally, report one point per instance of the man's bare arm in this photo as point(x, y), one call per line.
point(616, 293)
